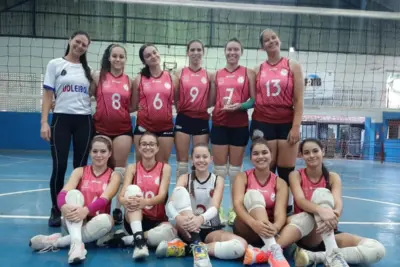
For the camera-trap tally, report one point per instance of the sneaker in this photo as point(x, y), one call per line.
point(140, 251)
point(200, 255)
point(276, 258)
point(335, 259)
point(55, 217)
point(222, 217)
point(112, 240)
point(77, 253)
point(254, 255)
point(174, 248)
point(231, 217)
point(44, 243)
point(117, 215)
point(301, 258)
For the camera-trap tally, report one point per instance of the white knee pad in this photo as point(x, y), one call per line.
point(304, 222)
point(163, 232)
point(181, 199)
point(221, 170)
point(181, 168)
point(323, 197)
point(253, 199)
point(229, 250)
point(233, 171)
point(133, 190)
point(121, 171)
point(371, 250)
point(74, 197)
point(96, 228)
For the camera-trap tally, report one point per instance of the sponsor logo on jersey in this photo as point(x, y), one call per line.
point(273, 197)
point(74, 88)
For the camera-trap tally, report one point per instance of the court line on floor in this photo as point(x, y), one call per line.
point(24, 192)
point(33, 217)
point(372, 200)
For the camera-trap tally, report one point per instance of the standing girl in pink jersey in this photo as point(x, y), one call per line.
point(194, 206)
point(234, 85)
point(144, 195)
point(260, 200)
point(153, 91)
point(192, 95)
point(278, 107)
point(318, 206)
point(85, 204)
point(113, 92)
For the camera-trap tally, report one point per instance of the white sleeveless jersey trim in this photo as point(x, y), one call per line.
point(203, 195)
point(70, 86)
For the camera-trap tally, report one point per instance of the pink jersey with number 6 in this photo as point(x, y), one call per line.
point(156, 96)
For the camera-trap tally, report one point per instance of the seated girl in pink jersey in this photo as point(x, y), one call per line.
point(85, 204)
point(113, 92)
point(260, 201)
point(153, 91)
point(318, 206)
point(143, 195)
point(194, 205)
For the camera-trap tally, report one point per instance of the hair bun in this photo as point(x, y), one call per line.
point(257, 134)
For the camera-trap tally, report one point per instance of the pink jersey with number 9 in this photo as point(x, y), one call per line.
point(274, 93)
point(92, 187)
point(194, 90)
point(232, 87)
point(156, 96)
point(149, 182)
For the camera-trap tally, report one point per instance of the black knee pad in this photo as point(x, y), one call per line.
point(284, 172)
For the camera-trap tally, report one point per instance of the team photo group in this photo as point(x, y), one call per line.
point(272, 206)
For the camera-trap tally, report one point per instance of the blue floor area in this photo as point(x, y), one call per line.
point(370, 193)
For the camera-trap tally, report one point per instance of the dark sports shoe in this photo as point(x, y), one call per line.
point(55, 217)
point(117, 215)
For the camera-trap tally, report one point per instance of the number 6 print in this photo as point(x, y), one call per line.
point(157, 103)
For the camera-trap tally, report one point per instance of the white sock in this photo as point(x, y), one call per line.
point(290, 200)
point(268, 242)
point(136, 226)
point(75, 231)
point(128, 240)
point(329, 241)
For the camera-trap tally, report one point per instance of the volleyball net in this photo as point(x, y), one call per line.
point(350, 58)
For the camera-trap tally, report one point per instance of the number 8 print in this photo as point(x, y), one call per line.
point(116, 101)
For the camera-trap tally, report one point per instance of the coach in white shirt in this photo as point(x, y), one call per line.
point(68, 79)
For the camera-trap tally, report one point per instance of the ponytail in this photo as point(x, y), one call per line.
point(145, 71)
point(192, 178)
point(86, 67)
point(325, 173)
